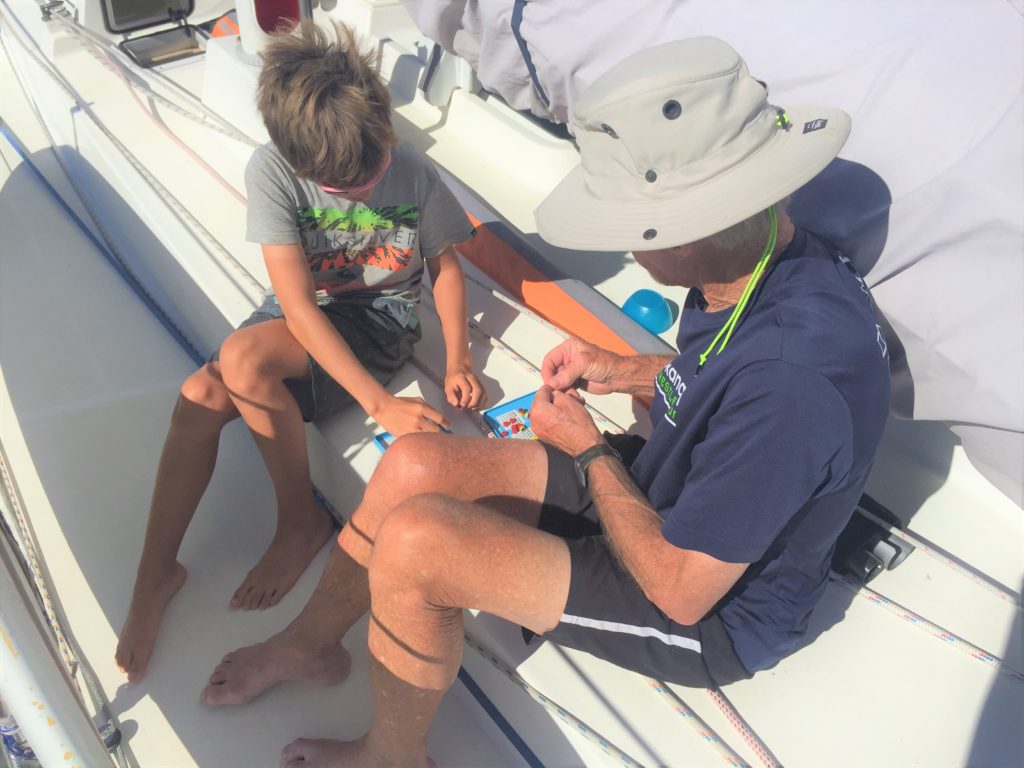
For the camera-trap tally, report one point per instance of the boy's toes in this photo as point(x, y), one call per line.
point(241, 596)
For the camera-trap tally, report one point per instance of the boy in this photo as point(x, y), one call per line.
point(346, 218)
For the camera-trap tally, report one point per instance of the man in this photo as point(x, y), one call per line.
point(713, 540)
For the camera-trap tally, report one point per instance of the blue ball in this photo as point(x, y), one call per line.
point(649, 309)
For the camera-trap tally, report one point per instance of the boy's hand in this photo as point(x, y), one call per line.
point(462, 388)
point(402, 415)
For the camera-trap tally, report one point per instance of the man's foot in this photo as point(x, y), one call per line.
point(326, 753)
point(244, 674)
point(284, 561)
point(138, 636)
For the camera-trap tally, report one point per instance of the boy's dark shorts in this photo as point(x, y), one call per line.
point(377, 339)
point(607, 614)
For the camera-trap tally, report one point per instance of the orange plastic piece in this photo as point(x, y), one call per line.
point(225, 27)
point(534, 289)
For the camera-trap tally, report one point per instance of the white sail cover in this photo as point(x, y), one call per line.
point(928, 199)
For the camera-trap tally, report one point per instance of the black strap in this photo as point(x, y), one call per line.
point(517, 22)
point(431, 68)
point(584, 460)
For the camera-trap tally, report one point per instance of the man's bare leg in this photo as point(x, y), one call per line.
point(434, 555)
point(255, 362)
point(186, 465)
point(509, 476)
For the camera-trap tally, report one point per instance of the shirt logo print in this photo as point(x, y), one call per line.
point(671, 386)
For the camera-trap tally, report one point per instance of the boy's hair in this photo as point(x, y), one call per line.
point(326, 109)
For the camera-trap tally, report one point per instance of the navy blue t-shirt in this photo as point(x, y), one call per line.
point(761, 457)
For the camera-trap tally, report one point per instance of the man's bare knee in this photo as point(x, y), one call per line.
point(402, 474)
point(410, 539)
point(408, 468)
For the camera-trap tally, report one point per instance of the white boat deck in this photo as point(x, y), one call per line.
point(89, 377)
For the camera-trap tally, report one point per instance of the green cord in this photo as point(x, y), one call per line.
point(748, 289)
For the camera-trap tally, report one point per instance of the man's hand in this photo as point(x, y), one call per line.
point(561, 419)
point(401, 415)
point(578, 363)
point(462, 388)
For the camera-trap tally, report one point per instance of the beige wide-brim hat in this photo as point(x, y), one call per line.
point(679, 142)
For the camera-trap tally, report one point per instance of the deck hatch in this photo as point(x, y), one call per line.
point(122, 16)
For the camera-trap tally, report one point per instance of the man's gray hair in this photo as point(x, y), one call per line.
point(747, 232)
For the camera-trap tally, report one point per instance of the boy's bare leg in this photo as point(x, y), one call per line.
point(507, 475)
point(186, 465)
point(433, 556)
point(255, 361)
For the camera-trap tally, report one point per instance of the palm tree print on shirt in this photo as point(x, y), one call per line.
point(336, 239)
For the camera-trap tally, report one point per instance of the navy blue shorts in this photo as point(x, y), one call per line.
point(377, 339)
point(607, 614)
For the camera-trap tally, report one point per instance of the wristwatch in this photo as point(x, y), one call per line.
point(584, 460)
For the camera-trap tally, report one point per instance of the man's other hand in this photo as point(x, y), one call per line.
point(561, 420)
point(575, 362)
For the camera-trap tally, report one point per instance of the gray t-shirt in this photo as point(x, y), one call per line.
point(366, 251)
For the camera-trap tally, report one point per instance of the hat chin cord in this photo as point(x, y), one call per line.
point(734, 318)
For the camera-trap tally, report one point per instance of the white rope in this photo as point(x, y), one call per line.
point(10, 506)
point(964, 569)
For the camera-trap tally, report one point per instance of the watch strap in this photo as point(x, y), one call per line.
point(584, 460)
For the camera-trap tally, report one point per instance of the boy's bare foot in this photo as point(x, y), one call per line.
point(244, 674)
point(326, 753)
point(138, 636)
point(284, 561)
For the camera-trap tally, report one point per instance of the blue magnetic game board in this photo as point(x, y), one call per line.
point(510, 419)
